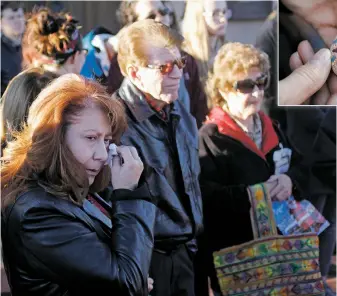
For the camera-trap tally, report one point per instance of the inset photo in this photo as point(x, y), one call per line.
point(307, 53)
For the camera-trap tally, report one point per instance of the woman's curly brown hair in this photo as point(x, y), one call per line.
point(233, 59)
point(47, 33)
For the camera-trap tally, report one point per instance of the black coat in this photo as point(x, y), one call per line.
point(53, 247)
point(323, 155)
point(228, 166)
point(230, 162)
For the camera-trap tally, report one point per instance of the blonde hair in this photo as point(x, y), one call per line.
point(232, 60)
point(195, 32)
point(136, 38)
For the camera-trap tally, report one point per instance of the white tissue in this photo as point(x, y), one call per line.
point(111, 153)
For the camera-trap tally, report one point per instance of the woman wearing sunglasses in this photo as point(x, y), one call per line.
point(239, 147)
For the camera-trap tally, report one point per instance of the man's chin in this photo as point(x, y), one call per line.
point(169, 98)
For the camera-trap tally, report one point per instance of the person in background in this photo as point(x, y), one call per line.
point(191, 92)
point(165, 134)
point(173, 23)
point(12, 29)
point(239, 146)
point(267, 41)
point(53, 41)
point(59, 237)
point(100, 54)
point(204, 29)
point(18, 97)
point(305, 76)
point(320, 29)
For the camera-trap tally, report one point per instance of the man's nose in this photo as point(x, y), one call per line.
point(256, 91)
point(176, 72)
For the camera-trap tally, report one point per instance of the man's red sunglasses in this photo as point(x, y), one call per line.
point(168, 67)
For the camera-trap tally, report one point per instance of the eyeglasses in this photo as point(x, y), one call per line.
point(168, 67)
point(162, 11)
point(247, 86)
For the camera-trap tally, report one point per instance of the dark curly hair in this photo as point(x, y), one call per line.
point(50, 34)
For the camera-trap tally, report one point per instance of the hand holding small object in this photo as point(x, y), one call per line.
point(283, 188)
point(112, 151)
point(126, 167)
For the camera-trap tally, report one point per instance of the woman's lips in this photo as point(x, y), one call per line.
point(92, 172)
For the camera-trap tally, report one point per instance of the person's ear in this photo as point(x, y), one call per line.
point(132, 72)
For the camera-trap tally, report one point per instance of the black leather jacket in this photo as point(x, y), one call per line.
point(168, 150)
point(53, 247)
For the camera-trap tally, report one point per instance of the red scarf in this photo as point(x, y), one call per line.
point(227, 126)
point(92, 200)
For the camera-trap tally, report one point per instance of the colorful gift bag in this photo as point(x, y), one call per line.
point(270, 264)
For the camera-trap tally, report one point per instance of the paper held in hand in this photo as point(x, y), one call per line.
point(294, 217)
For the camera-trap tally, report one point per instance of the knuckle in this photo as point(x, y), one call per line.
point(310, 77)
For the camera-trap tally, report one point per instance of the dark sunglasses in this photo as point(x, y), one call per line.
point(162, 11)
point(168, 67)
point(247, 86)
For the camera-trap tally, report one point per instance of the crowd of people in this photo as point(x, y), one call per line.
point(127, 159)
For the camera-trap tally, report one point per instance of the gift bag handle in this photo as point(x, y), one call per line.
point(261, 212)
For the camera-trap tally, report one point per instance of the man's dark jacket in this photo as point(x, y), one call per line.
point(169, 151)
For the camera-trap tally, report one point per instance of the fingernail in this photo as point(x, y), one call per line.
point(322, 55)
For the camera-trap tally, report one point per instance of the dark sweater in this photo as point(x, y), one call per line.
point(11, 58)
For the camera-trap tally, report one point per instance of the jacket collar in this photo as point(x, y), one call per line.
point(227, 126)
point(95, 213)
point(137, 103)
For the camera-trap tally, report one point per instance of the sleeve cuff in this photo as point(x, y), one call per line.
point(140, 193)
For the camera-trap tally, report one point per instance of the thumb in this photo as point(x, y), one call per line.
point(272, 178)
point(305, 80)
